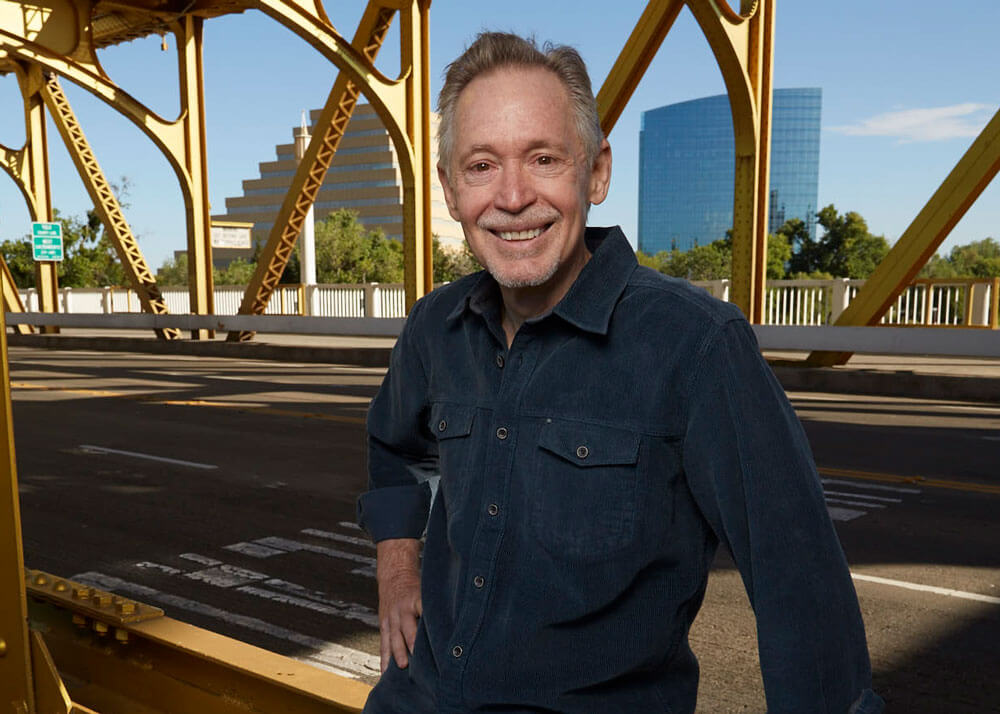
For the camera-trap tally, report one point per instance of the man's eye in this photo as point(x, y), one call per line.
point(546, 160)
point(480, 167)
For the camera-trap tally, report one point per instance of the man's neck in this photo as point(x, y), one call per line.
point(522, 304)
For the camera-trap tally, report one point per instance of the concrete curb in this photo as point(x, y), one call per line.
point(359, 356)
point(903, 383)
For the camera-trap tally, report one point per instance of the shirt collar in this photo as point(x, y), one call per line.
point(591, 299)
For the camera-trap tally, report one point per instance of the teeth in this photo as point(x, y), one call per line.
point(520, 235)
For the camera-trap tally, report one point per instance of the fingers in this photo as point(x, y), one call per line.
point(400, 649)
point(409, 631)
point(385, 648)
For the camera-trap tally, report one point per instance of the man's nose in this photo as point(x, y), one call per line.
point(516, 190)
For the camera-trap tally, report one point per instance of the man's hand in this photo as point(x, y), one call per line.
point(399, 606)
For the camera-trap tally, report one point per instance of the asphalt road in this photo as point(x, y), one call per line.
point(223, 491)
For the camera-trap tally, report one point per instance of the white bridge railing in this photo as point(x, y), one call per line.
point(969, 302)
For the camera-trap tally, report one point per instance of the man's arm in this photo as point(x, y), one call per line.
point(394, 510)
point(750, 468)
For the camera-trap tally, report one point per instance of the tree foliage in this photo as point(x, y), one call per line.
point(715, 260)
point(89, 258)
point(845, 250)
point(979, 259)
point(347, 253)
point(453, 263)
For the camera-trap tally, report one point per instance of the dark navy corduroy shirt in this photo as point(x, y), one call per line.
point(587, 475)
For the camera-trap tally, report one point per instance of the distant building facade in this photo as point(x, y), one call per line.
point(686, 168)
point(364, 177)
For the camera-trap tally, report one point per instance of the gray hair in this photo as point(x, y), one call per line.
point(496, 50)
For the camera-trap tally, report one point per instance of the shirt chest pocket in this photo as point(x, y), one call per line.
point(585, 482)
point(451, 424)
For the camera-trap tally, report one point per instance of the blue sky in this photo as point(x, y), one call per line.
point(907, 85)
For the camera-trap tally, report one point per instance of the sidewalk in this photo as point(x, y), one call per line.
point(951, 378)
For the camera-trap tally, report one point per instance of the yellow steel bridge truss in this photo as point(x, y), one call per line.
point(198, 671)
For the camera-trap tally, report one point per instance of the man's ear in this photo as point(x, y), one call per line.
point(449, 193)
point(600, 174)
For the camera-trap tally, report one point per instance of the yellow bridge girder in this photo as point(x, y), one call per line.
point(311, 172)
point(106, 204)
point(743, 45)
point(402, 104)
point(960, 189)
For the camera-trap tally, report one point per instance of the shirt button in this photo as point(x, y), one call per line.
point(499, 361)
point(456, 651)
point(479, 581)
point(502, 433)
point(493, 509)
point(442, 425)
point(582, 452)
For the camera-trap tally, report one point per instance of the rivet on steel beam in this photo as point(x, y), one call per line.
point(61, 586)
point(126, 608)
point(40, 579)
point(79, 620)
point(101, 599)
point(100, 628)
point(81, 593)
point(3, 647)
point(121, 636)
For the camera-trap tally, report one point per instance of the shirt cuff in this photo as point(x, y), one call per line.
point(395, 511)
point(868, 703)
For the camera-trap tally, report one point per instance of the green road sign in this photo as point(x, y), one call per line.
point(46, 241)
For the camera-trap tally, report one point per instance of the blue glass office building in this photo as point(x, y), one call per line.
point(686, 168)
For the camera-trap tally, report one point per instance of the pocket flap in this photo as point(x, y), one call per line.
point(590, 445)
point(451, 420)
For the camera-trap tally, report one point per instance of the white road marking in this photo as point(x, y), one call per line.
point(353, 540)
point(200, 559)
point(350, 610)
point(226, 576)
point(844, 514)
point(990, 438)
point(254, 550)
point(150, 457)
point(864, 496)
point(370, 619)
point(870, 486)
point(157, 566)
point(293, 545)
point(927, 588)
point(330, 656)
point(848, 502)
point(350, 524)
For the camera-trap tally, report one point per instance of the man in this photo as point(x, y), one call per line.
point(598, 429)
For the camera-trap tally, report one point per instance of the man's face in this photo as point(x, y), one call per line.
point(520, 183)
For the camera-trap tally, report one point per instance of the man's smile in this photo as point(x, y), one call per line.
point(526, 234)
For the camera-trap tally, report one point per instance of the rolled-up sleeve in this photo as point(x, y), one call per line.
point(750, 469)
point(400, 447)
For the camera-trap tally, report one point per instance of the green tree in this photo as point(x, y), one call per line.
point(979, 259)
point(451, 264)
point(89, 259)
point(173, 272)
point(238, 272)
point(846, 249)
point(347, 253)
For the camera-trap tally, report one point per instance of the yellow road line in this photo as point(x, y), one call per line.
point(154, 399)
point(913, 480)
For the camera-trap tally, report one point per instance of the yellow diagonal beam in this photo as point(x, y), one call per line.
point(922, 238)
point(106, 204)
point(638, 52)
point(328, 131)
